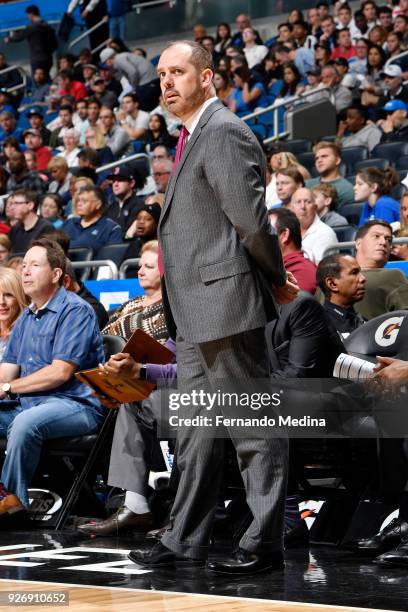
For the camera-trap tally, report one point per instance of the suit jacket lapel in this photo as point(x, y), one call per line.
point(209, 111)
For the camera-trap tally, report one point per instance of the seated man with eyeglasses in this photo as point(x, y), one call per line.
point(30, 226)
point(161, 172)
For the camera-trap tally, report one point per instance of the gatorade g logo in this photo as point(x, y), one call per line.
point(388, 331)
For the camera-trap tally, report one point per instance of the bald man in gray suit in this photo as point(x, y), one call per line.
point(222, 271)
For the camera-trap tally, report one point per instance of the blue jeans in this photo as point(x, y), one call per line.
point(26, 431)
point(117, 27)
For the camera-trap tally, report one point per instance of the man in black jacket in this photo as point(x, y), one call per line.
point(41, 39)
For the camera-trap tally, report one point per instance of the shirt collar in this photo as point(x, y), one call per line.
point(340, 311)
point(192, 123)
point(53, 303)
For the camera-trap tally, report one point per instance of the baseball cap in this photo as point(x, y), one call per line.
point(31, 131)
point(34, 110)
point(104, 67)
point(121, 173)
point(106, 54)
point(90, 66)
point(97, 78)
point(153, 210)
point(392, 71)
point(394, 105)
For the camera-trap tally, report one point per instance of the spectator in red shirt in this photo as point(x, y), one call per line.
point(287, 227)
point(69, 87)
point(344, 47)
point(33, 141)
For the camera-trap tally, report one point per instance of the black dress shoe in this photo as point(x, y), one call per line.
point(382, 541)
point(123, 520)
point(397, 557)
point(157, 534)
point(160, 556)
point(245, 562)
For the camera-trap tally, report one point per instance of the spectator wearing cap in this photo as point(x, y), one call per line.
point(33, 142)
point(36, 121)
point(111, 83)
point(362, 133)
point(91, 228)
point(88, 72)
point(30, 226)
point(139, 72)
point(65, 120)
point(287, 227)
point(339, 95)
point(132, 119)
point(314, 84)
point(395, 125)
point(69, 86)
point(41, 86)
point(327, 163)
point(144, 227)
point(99, 91)
point(393, 83)
point(116, 138)
point(322, 54)
point(8, 126)
point(344, 45)
point(125, 204)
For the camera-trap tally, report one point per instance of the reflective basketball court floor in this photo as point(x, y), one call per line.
point(96, 575)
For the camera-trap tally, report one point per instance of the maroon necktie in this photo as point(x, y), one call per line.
point(181, 145)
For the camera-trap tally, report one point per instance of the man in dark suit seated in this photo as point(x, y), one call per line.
point(343, 284)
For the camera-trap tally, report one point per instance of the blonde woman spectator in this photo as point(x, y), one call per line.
point(12, 303)
point(280, 160)
point(5, 249)
point(59, 170)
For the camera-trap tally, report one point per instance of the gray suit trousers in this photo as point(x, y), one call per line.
point(263, 462)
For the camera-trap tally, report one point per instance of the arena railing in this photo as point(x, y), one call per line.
point(274, 108)
point(122, 161)
point(352, 244)
point(138, 7)
point(134, 261)
point(23, 74)
point(78, 39)
point(97, 263)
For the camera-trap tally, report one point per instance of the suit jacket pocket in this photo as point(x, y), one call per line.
point(224, 269)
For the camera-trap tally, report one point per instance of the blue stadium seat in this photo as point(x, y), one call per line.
point(345, 233)
point(391, 151)
point(352, 155)
point(398, 191)
point(307, 160)
point(372, 162)
point(402, 163)
point(352, 212)
point(302, 145)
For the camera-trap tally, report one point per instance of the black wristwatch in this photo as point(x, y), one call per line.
point(143, 373)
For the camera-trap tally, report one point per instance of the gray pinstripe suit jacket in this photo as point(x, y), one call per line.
point(219, 256)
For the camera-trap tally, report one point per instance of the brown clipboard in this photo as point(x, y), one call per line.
point(144, 349)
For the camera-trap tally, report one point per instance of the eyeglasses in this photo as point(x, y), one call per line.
point(15, 203)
